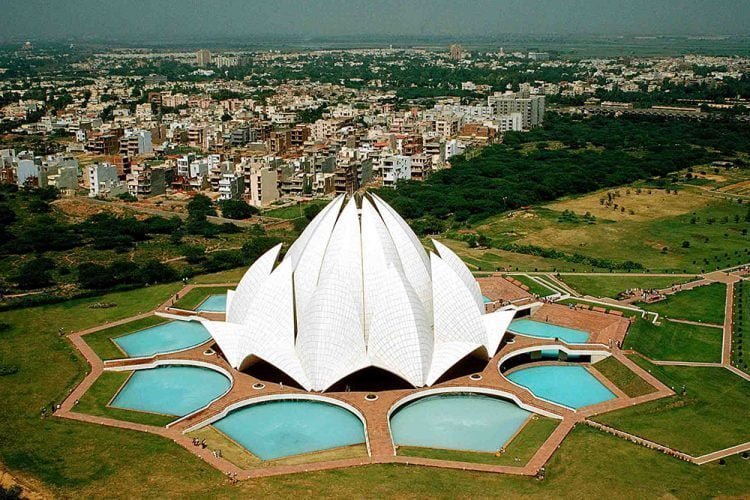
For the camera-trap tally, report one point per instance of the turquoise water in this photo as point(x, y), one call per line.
point(171, 390)
point(167, 337)
point(533, 328)
point(570, 385)
point(278, 429)
point(214, 303)
point(486, 299)
point(471, 422)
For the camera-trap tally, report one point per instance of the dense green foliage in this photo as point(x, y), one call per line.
point(598, 152)
point(237, 209)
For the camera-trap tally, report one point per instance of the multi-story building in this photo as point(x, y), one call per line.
point(263, 186)
point(136, 143)
point(231, 186)
point(103, 180)
point(394, 168)
point(531, 107)
point(146, 181)
point(421, 166)
point(203, 58)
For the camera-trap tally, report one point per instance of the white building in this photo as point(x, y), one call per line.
point(103, 180)
point(231, 187)
point(357, 290)
point(394, 168)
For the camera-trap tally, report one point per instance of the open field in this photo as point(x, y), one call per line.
point(704, 303)
point(620, 375)
point(101, 341)
point(518, 452)
point(75, 459)
point(675, 341)
point(612, 286)
point(710, 416)
point(691, 231)
point(96, 399)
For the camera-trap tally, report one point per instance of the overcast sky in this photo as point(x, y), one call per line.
point(186, 19)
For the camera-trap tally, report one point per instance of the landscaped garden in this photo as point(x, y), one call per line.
point(708, 412)
point(671, 341)
point(704, 303)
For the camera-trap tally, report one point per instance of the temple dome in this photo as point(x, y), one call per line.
point(356, 290)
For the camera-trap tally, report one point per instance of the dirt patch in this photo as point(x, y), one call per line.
point(638, 207)
point(80, 209)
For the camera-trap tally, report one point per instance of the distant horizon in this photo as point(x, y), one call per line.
point(175, 20)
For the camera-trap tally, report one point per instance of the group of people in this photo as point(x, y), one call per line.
point(646, 294)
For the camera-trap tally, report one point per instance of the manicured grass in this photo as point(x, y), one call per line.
point(675, 341)
point(612, 286)
point(705, 303)
point(196, 296)
point(534, 433)
point(230, 450)
point(230, 276)
point(293, 211)
point(534, 287)
point(101, 341)
point(620, 375)
point(76, 459)
point(96, 399)
point(711, 416)
point(741, 325)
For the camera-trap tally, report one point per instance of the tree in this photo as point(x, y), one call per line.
point(7, 215)
point(34, 273)
point(686, 244)
point(256, 247)
point(94, 276)
point(311, 211)
point(201, 204)
point(237, 209)
point(154, 271)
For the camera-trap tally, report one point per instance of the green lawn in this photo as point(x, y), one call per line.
point(230, 276)
point(96, 399)
point(711, 416)
point(705, 303)
point(611, 286)
point(620, 375)
point(293, 211)
point(196, 296)
point(101, 341)
point(741, 324)
point(675, 341)
point(523, 446)
point(76, 459)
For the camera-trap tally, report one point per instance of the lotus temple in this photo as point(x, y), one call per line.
point(360, 344)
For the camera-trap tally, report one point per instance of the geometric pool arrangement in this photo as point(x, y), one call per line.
point(359, 347)
point(180, 375)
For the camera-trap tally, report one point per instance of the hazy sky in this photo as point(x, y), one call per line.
point(190, 19)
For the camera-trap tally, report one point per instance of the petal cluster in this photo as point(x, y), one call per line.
point(357, 289)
